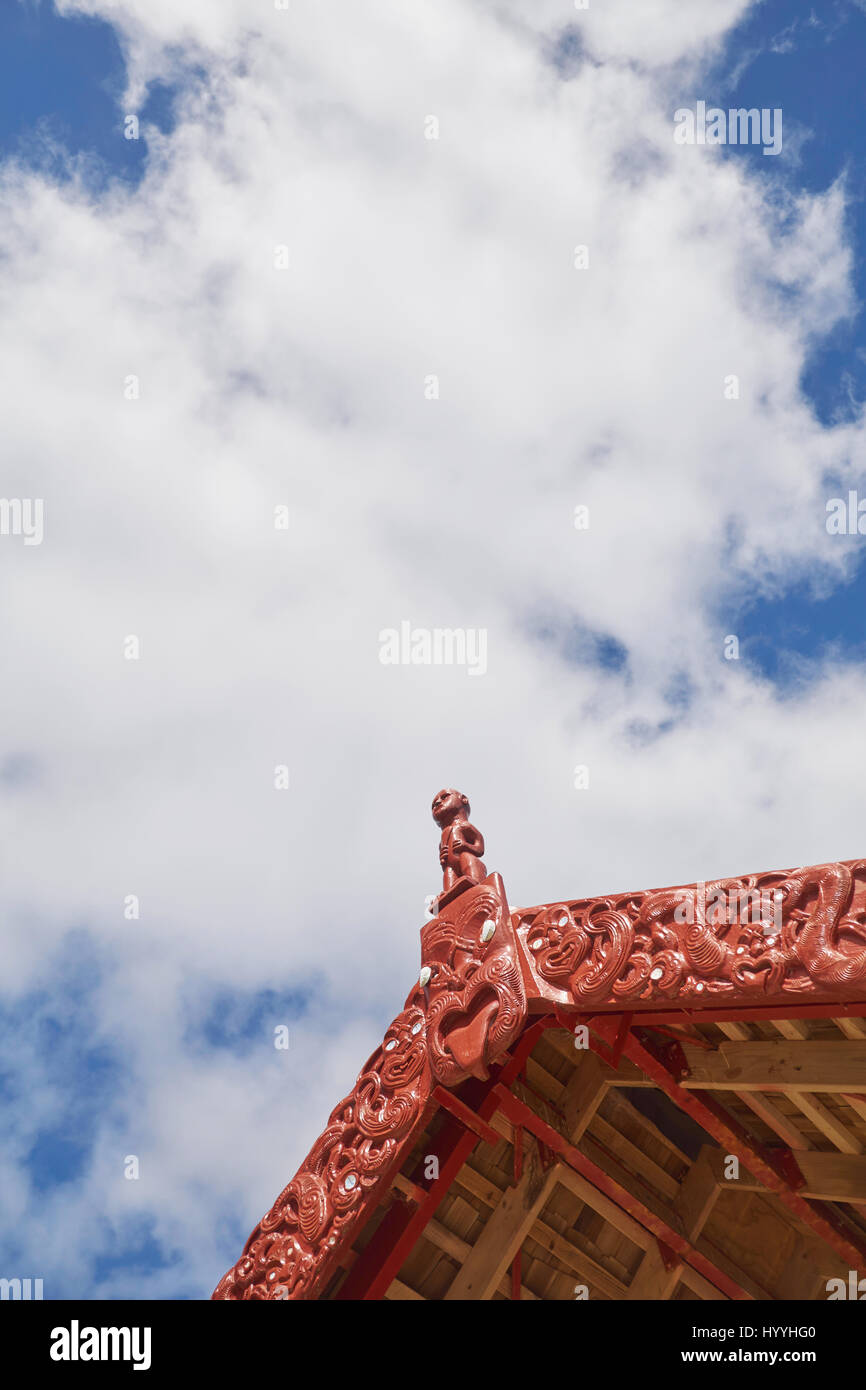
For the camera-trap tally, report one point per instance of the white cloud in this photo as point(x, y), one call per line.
point(258, 386)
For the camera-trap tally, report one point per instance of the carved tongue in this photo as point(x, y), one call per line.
point(466, 1042)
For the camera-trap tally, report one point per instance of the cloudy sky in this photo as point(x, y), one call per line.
point(336, 279)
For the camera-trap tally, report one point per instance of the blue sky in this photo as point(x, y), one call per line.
point(87, 1059)
point(61, 83)
point(809, 60)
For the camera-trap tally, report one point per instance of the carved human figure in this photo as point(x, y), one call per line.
point(461, 845)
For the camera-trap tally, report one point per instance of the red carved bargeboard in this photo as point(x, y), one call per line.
point(768, 939)
point(319, 1213)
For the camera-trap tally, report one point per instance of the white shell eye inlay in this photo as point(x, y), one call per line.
point(416, 1029)
point(488, 929)
point(390, 1045)
point(424, 977)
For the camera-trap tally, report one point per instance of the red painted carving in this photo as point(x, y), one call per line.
point(471, 983)
point(757, 939)
point(794, 938)
point(461, 845)
point(296, 1246)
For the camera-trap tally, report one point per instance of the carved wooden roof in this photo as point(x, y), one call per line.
point(648, 1095)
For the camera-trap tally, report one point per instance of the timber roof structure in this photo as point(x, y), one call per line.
point(657, 1095)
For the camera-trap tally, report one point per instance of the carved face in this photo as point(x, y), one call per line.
point(475, 1000)
point(446, 805)
point(403, 1050)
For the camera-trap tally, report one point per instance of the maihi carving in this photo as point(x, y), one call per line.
point(616, 950)
point(316, 1215)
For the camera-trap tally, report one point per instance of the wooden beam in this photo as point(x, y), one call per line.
point(618, 1107)
point(857, 1104)
point(518, 1208)
point(446, 1240)
point(737, 1032)
point(643, 1238)
point(610, 1210)
point(834, 1177)
point(635, 1158)
point(650, 1274)
point(694, 1199)
point(824, 1120)
point(829, 1177)
point(410, 1189)
point(794, 1029)
point(654, 1279)
point(694, 1212)
point(776, 1066)
point(584, 1093)
point(697, 1195)
point(480, 1186)
point(460, 1250)
point(623, 1075)
point(851, 1027)
point(577, 1165)
point(506, 1229)
point(575, 1259)
point(823, 1220)
point(691, 1211)
point(773, 1118)
point(701, 1286)
point(542, 1080)
point(802, 1271)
